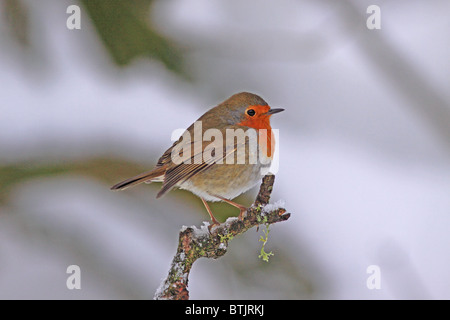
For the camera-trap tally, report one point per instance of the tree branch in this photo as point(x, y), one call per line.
point(196, 243)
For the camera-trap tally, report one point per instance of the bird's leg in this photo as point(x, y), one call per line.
point(241, 208)
point(214, 220)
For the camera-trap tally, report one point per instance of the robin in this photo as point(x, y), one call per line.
point(223, 169)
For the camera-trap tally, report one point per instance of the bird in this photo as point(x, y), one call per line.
point(222, 168)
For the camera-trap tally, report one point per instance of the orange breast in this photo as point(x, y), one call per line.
point(261, 122)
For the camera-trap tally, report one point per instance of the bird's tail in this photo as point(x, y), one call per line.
point(143, 177)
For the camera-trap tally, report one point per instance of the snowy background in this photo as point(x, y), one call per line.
point(364, 150)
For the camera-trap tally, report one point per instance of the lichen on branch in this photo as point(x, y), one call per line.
point(194, 243)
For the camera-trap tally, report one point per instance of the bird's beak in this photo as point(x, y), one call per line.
point(273, 111)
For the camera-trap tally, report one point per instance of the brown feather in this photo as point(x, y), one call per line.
point(146, 176)
point(184, 171)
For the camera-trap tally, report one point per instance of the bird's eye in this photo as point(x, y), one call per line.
point(251, 112)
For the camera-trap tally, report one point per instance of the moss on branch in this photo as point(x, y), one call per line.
point(194, 243)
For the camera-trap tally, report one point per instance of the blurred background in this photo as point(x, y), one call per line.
point(364, 145)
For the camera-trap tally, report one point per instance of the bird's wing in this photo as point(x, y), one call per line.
point(188, 157)
point(191, 165)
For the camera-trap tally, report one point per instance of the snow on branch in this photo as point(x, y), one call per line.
point(196, 243)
